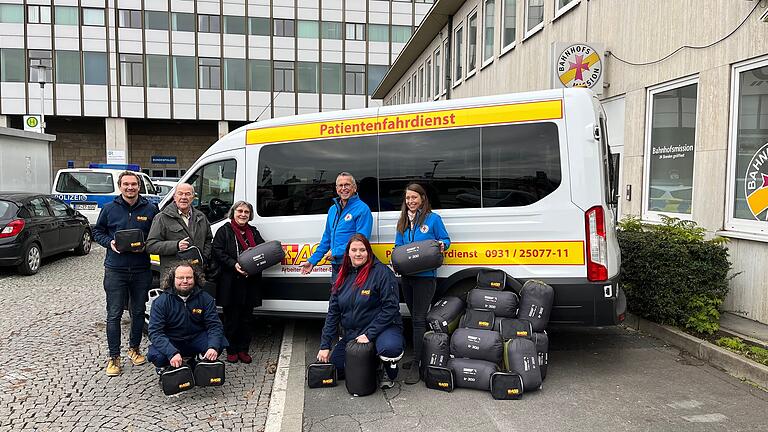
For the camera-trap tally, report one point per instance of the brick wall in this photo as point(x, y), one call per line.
point(185, 140)
point(82, 140)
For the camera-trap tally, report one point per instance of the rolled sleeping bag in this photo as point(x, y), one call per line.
point(471, 373)
point(477, 344)
point(482, 319)
point(360, 368)
point(260, 257)
point(536, 300)
point(435, 350)
point(521, 358)
point(502, 303)
point(541, 339)
point(417, 257)
point(511, 328)
point(445, 315)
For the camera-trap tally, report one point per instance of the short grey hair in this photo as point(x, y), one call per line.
point(238, 204)
point(346, 174)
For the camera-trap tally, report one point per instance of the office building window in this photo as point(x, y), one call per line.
point(438, 77)
point(184, 72)
point(68, 67)
point(94, 68)
point(308, 29)
point(183, 21)
point(332, 82)
point(534, 14)
point(458, 62)
point(260, 72)
point(375, 75)
point(354, 79)
point(234, 74)
point(67, 15)
point(209, 23)
point(210, 73)
point(39, 14)
point(284, 27)
point(401, 34)
point(258, 26)
point(510, 16)
point(234, 25)
point(563, 3)
point(421, 84)
point(472, 43)
point(378, 32)
point(331, 30)
point(307, 77)
point(428, 78)
point(11, 14)
point(158, 71)
point(355, 31)
point(489, 23)
point(12, 65)
point(93, 17)
point(131, 70)
point(40, 58)
point(154, 20)
point(127, 18)
point(283, 73)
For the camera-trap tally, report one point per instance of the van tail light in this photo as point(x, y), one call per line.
point(597, 246)
point(13, 228)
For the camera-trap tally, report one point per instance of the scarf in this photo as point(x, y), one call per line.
point(239, 235)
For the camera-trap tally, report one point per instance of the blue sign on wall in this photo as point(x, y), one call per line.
point(168, 160)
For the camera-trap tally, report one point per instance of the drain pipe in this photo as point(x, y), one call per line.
point(448, 58)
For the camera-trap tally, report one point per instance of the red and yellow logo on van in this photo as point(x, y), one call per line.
point(295, 254)
point(756, 184)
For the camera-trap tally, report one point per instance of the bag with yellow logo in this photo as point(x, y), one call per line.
point(478, 319)
point(506, 386)
point(502, 303)
point(474, 374)
point(477, 344)
point(209, 373)
point(491, 279)
point(129, 240)
point(439, 378)
point(176, 380)
point(321, 375)
point(511, 328)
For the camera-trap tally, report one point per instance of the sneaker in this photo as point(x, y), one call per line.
point(412, 377)
point(232, 358)
point(113, 366)
point(384, 381)
point(244, 357)
point(136, 358)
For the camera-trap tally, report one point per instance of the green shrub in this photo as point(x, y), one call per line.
point(671, 274)
point(734, 344)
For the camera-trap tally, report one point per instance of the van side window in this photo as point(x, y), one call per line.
point(214, 186)
point(610, 165)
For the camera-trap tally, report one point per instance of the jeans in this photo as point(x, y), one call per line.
point(418, 292)
point(390, 345)
point(198, 345)
point(121, 287)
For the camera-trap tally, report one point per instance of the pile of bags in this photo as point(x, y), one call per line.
point(495, 342)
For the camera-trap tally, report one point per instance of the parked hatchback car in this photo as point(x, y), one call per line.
point(34, 226)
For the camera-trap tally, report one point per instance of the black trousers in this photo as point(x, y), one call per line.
point(237, 327)
point(418, 292)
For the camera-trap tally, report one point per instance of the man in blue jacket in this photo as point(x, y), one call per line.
point(126, 274)
point(183, 321)
point(348, 215)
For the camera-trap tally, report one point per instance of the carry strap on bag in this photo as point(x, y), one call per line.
point(506, 386)
point(209, 373)
point(176, 380)
point(322, 375)
point(439, 378)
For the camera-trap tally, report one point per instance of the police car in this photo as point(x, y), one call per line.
point(88, 189)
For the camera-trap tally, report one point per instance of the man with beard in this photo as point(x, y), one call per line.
point(183, 321)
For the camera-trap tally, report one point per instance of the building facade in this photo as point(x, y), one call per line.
point(684, 87)
point(158, 81)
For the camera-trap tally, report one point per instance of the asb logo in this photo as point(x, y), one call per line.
point(579, 65)
point(756, 183)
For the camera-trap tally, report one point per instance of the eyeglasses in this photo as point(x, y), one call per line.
point(344, 186)
point(185, 194)
point(184, 277)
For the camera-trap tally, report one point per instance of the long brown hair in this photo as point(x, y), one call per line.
point(403, 223)
point(168, 282)
point(346, 266)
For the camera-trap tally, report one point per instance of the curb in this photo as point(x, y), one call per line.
point(734, 364)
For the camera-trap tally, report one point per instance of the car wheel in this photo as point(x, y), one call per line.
point(84, 248)
point(31, 258)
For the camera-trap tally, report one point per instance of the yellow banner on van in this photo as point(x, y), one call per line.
point(431, 120)
point(503, 253)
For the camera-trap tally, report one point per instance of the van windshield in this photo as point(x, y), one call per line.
point(85, 182)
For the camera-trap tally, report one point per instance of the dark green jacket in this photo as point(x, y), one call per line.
point(168, 229)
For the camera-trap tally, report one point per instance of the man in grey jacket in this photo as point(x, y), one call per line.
point(179, 227)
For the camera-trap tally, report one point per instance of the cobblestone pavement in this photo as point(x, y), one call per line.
point(53, 352)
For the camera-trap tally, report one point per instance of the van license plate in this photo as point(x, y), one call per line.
point(85, 206)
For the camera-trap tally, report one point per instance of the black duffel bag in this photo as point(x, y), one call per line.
point(536, 300)
point(511, 328)
point(481, 319)
point(129, 240)
point(445, 315)
point(506, 386)
point(322, 375)
point(477, 344)
point(541, 339)
point(209, 373)
point(360, 368)
point(176, 380)
point(491, 279)
point(520, 357)
point(435, 349)
point(260, 257)
point(439, 378)
point(417, 257)
point(502, 303)
point(470, 373)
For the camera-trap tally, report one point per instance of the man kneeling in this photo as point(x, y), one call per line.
point(183, 321)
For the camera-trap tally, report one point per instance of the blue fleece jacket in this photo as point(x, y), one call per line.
point(118, 215)
point(369, 309)
point(432, 229)
point(171, 319)
point(340, 225)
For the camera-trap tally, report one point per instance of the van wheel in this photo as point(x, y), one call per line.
point(84, 248)
point(30, 260)
point(460, 289)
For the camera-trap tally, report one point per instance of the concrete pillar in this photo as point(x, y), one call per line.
point(3, 121)
point(223, 128)
point(117, 139)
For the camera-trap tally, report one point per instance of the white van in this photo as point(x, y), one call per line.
point(88, 189)
point(523, 183)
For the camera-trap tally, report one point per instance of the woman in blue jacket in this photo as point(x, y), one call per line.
point(365, 300)
point(417, 223)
